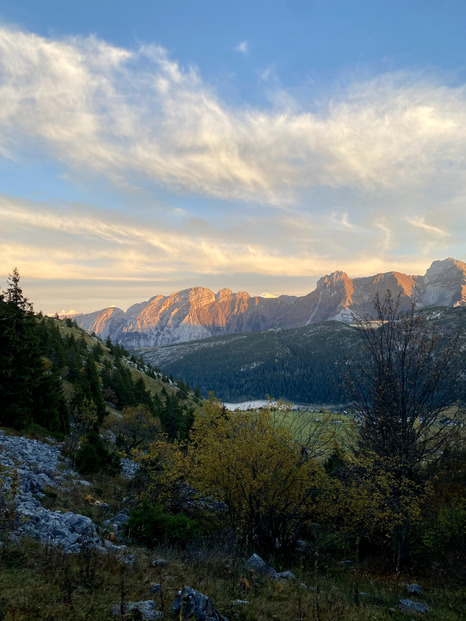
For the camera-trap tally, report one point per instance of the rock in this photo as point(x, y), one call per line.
point(191, 604)
point(129, 467)
point(255, 563)
point(37, 465)
point(408, 606)
point(129, 559)
point(110, 546)
point(146, 610)
point(159, 562)
point(414, 588)
point(117, 521)
point(155, 588)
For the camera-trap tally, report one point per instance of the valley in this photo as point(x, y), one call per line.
point(302, 365)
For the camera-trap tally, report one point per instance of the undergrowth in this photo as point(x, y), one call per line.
point(39, 582)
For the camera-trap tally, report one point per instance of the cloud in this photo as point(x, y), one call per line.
point(421, 224)
point(242, 47)
point(76, 256)
point(138, 114)
point(77, 242)
point(366, 180)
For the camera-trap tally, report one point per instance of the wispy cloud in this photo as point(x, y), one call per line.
point(242, 47)
point(121, 112)
point(351, 181)
point(422, 224)
point(75, 242)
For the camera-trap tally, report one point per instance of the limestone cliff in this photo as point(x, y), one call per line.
point(199, 313)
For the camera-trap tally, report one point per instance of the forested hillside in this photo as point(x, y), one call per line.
point(302, 365)
point(53, 375)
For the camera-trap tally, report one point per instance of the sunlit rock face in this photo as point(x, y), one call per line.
point(444, 284)
point(199, 313)
point(104, 322)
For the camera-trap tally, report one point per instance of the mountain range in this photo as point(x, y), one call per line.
point(199, 313)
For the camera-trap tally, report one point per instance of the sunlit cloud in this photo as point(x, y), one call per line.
point(387, 240)
point(341, 220)
point(422, 224)
point(353, 181)
point(77, 243)
point(121, 112)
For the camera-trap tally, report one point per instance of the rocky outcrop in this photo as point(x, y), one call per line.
point(410, 606)
point(257, 565)
point(189, 604)
point(29, 467)
point(199, 313)
point(145, 610)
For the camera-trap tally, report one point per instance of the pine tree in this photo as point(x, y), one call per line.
point(29, 392)
point(20, 362)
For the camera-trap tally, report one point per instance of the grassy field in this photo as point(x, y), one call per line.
point(38, 582)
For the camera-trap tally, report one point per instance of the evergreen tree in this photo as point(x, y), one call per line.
point(171, 417)
point(29, 392)
point(88, 386)
point(20, 363)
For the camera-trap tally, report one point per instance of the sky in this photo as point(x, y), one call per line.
point(151, 146)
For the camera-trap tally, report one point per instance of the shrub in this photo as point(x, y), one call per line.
point(93, 456)
point(251, 464)
point(150, 524)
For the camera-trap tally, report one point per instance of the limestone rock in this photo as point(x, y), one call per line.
point(409, 605)
point(198, 313)
point(145, 610)
point(37, 466)
point(192, 604)
point(414, 588)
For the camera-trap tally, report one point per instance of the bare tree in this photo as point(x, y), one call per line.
point(402, 385)
point(403, 382)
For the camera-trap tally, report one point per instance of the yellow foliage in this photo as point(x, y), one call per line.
point(378, 499)
point(247, 461)
point(135, 427)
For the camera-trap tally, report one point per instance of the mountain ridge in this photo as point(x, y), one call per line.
point(197, 313)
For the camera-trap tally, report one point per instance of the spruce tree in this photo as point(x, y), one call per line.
point(20, 361)
point(29, 392)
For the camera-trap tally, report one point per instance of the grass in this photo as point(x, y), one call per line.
point(38, 582)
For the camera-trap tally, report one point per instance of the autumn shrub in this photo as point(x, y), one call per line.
point(249, 466)
point(134, 427)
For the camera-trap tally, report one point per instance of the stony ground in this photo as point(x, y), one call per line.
point(29, 467)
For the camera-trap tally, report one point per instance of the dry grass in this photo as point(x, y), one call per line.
point(38, 582)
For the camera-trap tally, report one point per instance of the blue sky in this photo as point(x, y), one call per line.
point(147, 147)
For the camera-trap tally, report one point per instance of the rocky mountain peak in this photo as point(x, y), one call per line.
point(200, 296)
point(224, 294)
point(332, 280)
point(444, 284)
point(198, 313)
